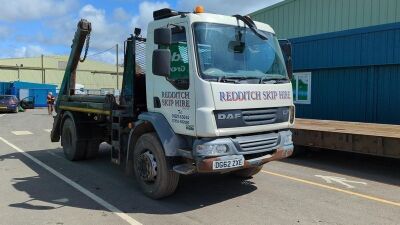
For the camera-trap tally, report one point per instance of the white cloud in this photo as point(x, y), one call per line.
point(146, 9)
point(226, 7)
point(104, 34)
point(60, 31)
point(29, 51)
point(121, 15)
point(33, 9)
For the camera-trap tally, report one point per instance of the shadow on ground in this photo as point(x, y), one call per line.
point(380, 169)
point(108, 181)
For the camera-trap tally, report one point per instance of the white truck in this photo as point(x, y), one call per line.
point(203, 93)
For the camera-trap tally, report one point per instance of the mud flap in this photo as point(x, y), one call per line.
point(55, 132)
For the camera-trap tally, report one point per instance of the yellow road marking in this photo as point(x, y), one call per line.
point(334, 188)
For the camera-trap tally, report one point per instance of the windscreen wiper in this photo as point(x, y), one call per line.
point(276, 79)
point(234, 79)
point(250, 23)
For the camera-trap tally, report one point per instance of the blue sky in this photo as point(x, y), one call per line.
point(30, 28)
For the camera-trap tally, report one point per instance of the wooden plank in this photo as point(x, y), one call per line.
point(333, 126)
point(365, 138)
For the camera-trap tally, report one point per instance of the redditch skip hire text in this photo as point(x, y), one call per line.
point(233, 96)
point(175, 98)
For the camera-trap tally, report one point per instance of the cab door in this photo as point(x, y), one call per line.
point(174, 95)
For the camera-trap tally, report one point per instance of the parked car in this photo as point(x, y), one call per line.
point(9, 103)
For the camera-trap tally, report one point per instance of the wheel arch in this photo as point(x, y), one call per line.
point(156, 122)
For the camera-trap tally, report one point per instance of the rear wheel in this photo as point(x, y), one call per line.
point(247, 173)
point(151, 170)
point(74, 149)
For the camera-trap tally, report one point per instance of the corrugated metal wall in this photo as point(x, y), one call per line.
point(88, 79)
point(374, 45)
point(297, 18)
point(54, 74)
point(4, 88)
point(355, 74)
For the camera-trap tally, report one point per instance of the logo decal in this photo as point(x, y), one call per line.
point(229, 116)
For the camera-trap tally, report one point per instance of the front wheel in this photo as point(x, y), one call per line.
point(150, 167)
point(247, 173)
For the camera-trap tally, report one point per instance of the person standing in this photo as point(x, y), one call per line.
point(50, 103)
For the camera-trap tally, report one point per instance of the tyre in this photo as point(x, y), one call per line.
point(248, 172)
point(150, 168)
point(74, 149)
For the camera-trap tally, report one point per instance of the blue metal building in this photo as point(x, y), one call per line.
point(27, 89)
point(355, 74)
point(5, 87)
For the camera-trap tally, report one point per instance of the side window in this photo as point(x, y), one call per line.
point(179, 75)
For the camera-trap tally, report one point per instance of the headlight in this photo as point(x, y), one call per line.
point(211, 150)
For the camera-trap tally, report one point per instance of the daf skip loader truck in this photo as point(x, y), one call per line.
point(202, 93)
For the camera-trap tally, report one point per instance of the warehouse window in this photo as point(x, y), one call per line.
point(302, 88)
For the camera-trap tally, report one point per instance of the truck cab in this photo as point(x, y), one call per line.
point(202, 93)
point(228, 88)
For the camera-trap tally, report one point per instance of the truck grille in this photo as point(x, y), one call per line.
point(256, 143)
point(251, 117)
point(259, 116)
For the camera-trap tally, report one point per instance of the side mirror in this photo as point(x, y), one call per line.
point(286, 47)
point(162, 36)
point(161, 63)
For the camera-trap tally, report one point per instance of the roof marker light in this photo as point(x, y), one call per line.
point(199, 9)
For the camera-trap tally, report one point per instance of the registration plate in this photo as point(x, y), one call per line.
point(226, 164)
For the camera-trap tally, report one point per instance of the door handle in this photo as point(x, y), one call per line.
point(157, 102)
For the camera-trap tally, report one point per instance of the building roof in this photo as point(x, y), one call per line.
point(58, 62)
point(92, 74)
point(297, 18)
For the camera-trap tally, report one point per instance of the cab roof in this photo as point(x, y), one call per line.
point(206, 17)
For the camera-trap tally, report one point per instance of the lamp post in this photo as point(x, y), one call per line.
point(117, 66)
point(18, 72)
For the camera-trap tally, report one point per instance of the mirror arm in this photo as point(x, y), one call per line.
point(250, 23)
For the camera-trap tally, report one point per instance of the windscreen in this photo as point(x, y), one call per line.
point(6, 99)
point(236, 51)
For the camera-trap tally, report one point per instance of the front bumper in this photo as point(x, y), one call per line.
point(253, 156)
point(8, 108)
